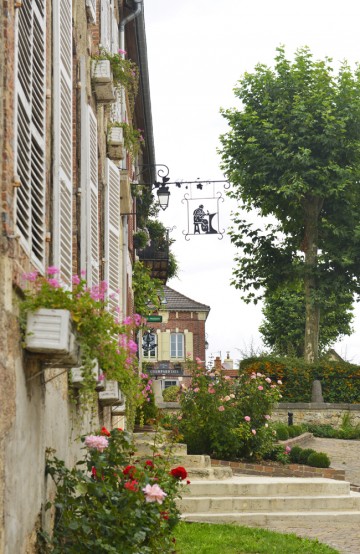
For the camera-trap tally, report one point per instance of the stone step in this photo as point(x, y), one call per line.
point(280, 519)
point(225, 504)
point(144, 444)
point(250, 486)
point(210, 473)
point(193, 461)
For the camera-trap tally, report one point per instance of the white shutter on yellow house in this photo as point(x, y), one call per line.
point(62, 138)
point(30, 139)
point(112, 233)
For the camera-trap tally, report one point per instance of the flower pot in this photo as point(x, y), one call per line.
point(115, 143)
point(102, 81)
point(50, 333)
point(110, 395)
point(77, 378)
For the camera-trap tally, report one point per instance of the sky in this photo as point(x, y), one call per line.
point(197, 51)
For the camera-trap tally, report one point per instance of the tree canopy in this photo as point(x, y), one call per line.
point(292, 153)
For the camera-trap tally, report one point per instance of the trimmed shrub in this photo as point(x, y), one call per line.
point(304, 455)
point(282, 431)
point(295, 453)
point(171, 394)
point(318, 459)
point(295, 430)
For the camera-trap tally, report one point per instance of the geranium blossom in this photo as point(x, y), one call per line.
point(54, 283)
point(75, 280)
point(97, 442)
point(32, 276)
point(154, 493)
point(52, 270)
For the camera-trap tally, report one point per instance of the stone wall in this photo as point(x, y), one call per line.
point(317, 413)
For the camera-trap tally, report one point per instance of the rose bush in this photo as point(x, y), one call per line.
point(228, 418)
point(111, 501)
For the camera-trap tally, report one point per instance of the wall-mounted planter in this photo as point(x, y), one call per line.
point(119, 409)
point(50, 334)
point(110, 395)
point(76, 375)
point(102, 81)
point(115, 143)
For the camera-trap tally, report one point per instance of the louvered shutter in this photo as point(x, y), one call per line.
point(93, 203)
point(114, 30)
point(115, 113)
point(62, 138)
point(30, 128)
point(106, 25)
point(112, 233)
point(89, 220)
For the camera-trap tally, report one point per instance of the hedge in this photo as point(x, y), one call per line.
point(340, 380)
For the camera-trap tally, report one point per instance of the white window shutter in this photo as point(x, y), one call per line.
point(89, 220)
point(105, 25)
point(30, 127)
point(93, 203)
point(62, 138)
point(114, 31)
point(115, 114)
point(112, 234)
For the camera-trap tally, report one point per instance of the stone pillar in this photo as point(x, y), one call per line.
point(157, 391)
point(316, 393)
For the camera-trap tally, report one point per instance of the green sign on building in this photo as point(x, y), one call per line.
point(154, 318)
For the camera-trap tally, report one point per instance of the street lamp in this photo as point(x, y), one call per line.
point(163, 194)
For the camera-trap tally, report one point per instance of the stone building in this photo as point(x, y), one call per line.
point(66, 201)
point(178, 337)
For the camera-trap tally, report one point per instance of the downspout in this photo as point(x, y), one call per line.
point(122, 25)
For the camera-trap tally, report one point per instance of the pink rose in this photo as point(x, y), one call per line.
point(253, 431)
point(97, 442)
point(247, 418)
point(260, 387)
point(154, 493)
point(221, 408)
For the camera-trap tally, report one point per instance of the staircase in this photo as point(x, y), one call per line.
point(214, 495)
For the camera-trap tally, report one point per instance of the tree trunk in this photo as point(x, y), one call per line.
point(312, 207)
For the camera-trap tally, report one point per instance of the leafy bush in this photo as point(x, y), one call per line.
point(295, 430)
point(323, 431)
point(228, 418)
point(170, 394)
point(304, 455)
point(340, 380)
point(318, 459)
point(295, 454)
point(282, 431)
point(110, 502)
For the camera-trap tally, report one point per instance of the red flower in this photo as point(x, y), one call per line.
point(149, 464)
point(105, 432)
point(164, 515)
point(119, 429)
point(130, 471)
point(179, 473)
point(132, 485)
point(93, 472)
point(188, 482)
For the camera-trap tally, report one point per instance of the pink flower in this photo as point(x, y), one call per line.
point(211, 391)
point(98, 442)
point(221, 408)
point(279, 382)
point(268, 380)
point(83, 272)
point(122, 52)
point(253, 431)
point(260, 387)
point(227, 378)
point(179, 417)
point(288, 449)
point(132, 346)
point(54, 283)
point(154, 493)
point(259, 375)
point(247, 418)
point(75, 280)
point(52, 270)
point(267, 416)
point(32, 276)
point(128, 321)
point(227, 398)
point(196, 389)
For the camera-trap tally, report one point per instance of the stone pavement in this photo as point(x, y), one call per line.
point(344, 454)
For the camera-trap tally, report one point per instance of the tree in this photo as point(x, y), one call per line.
point(293, 154)
point(283, 327)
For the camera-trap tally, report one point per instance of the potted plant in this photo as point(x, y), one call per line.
point(140, 239)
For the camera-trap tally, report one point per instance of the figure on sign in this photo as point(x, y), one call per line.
point(202, 221)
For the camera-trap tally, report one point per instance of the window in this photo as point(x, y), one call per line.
point(112, 234)
point(149, 345)
point(168, 384)
point(176, 345)
point(30, 139)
